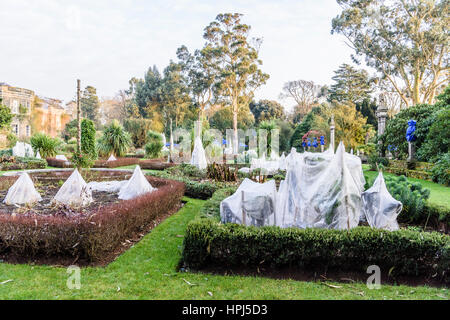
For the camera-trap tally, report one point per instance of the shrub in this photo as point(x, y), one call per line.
point(403, 252)
point(82, 160)
point(211, 208)
point(440, 172)
point(115, 140)
point(187, 170)
point(395, 133)
point(155, 144)
point(87, 142)
point(120, 162)
point(137, 128)
point(156, 164)
point(221, 172)
point(375, 160)
point(56, 163)
point(90, 236)
point(44, 144)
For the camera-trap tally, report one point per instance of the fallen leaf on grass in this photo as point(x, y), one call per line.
point(332, 286)
point(5, 282)
point(191, 284)
point(210, 293)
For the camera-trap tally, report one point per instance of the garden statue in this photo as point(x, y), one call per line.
point(411, 137)
point(381, 115)
point(322, 143)
point(332, 128)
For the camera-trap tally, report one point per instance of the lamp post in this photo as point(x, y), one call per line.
point(332, 128)
point(381, 116)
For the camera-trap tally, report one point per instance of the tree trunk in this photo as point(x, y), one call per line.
point(78, 118)
point(235, 128)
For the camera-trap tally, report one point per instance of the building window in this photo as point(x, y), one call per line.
point(15, 128)
point(28, 131)
point(15, 106)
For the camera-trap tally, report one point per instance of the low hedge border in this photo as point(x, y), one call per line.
point(403, 252)
point(56, 163)
point(417, 174)
point(155, 164)
point(23, 164)
point(88, 237)
point(120, 162)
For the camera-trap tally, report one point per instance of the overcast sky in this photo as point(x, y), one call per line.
point(47, 44)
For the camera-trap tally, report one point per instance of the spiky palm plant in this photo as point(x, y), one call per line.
point(115, 140)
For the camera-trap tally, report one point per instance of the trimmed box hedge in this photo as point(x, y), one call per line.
point(56, 163)
point(403, 252)
point(155, 164)
point(120, 162)
point(90, 236)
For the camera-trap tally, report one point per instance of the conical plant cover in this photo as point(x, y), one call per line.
point(136, 186)
point(38, 155)
point(22, 191)
point(61, 157)
point(112, 158)
point(74, 192)
point(198, 158)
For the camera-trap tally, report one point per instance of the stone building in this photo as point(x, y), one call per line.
point(20, 102)
point(32, 113)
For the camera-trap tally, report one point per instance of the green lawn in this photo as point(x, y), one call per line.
point(147, 271)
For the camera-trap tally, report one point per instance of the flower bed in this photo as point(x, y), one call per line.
point(91, 236)
point(20, 163)
point(120, 162)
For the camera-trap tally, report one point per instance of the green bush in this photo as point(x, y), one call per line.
point(440, 172)
point(46, 145)
point(137, 128)
point(187, 170)
point(155, 144)
point(402, 252)
point(88, 147)
point(395, 133)
point(211, 208)
point(115, 140)
point(375, 160)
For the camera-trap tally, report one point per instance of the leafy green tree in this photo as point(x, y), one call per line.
point(200, 76)
point(88, 147)
point(350, 124)
point(5, 116)
point(223, 118)
point(236, 62)
point(138, 129)
point(395, 133)
point(368, 109)
point(147, 92)
point(115, 140)
point(406, 41)
point(90, 104)
point(350, 85)
point(155, 144)
point(286, 132)
point(70, 130)
point(303, 128)
point(266, 110)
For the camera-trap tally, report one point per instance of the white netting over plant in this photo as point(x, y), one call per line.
point(321, 190)
point(136, 186)
point(253, 204)
point(22, 191)
point(267, 167)
point(380, 208)
point(198, 158)
point(74, 192)
point(22, 149)
point(38, 155)
point(112, 158)
point(282, 162)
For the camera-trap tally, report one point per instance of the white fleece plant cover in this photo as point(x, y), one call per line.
point(321, 190)
point(38, 155)
point(380, 208)
point(61, 157)
point(22, 149)
point(198, 158)
point(74, 192)
point(111, 158)
point(22, 192)
point(136, 186)
point(282, 162)
point(107, 186)
point(267, 167)
point(255, 201)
